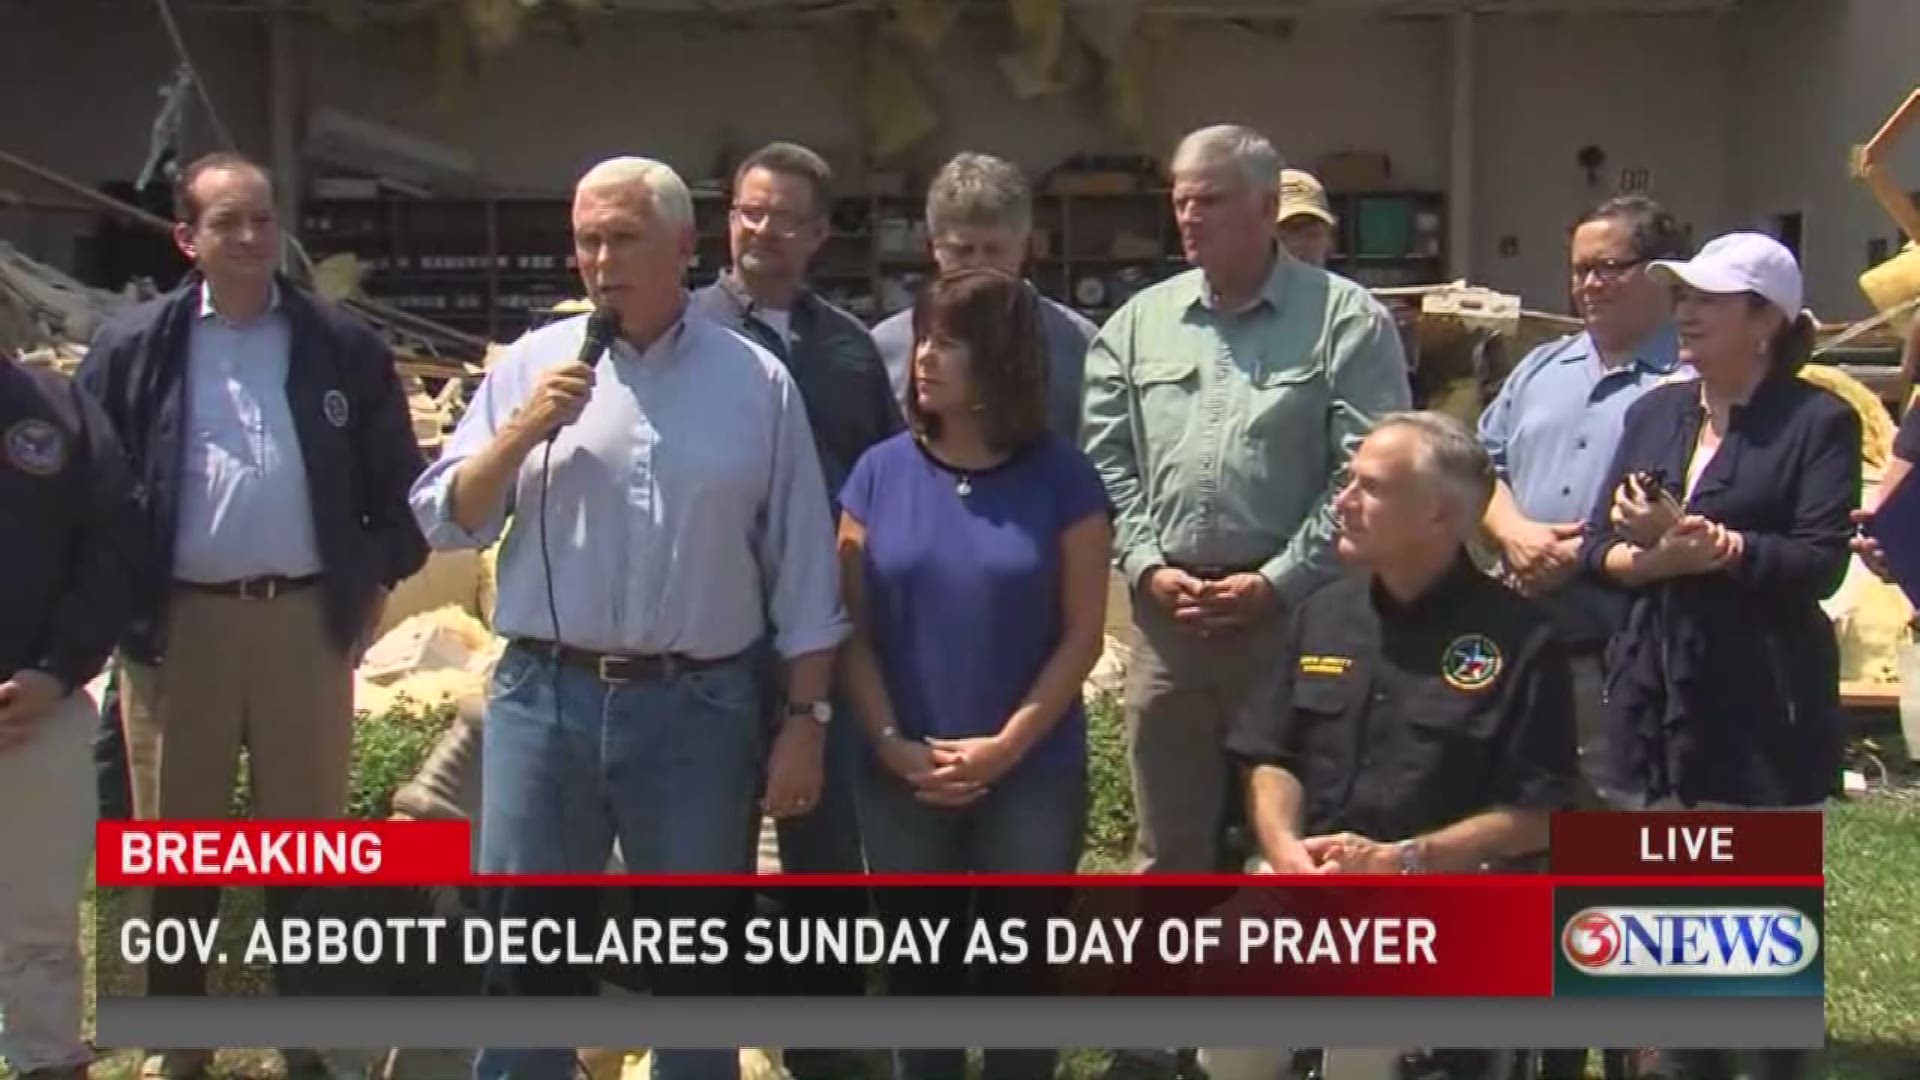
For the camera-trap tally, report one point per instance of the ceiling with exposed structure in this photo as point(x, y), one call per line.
point(1244, 9)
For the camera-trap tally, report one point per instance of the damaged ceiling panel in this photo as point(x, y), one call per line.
point(731, 9)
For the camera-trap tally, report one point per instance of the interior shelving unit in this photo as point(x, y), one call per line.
point(493, 266)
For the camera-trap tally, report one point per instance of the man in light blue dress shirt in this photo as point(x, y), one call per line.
point(1552, 431)
point(677, 510)
point(272, 453)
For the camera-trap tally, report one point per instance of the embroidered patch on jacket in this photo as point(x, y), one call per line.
point(335, 406)
point(1325, 665)
point(36, 447)
point(1471, 662)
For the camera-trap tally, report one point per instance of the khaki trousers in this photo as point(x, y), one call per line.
point(259, 674)
point(1182, 692)
point(47, 801)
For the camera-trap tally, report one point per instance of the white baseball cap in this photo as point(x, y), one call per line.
point(1742, 262)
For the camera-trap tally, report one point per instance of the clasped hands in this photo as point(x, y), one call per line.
point(1675, 542)
point(1337, 853)
point(949, 773)
point(1207, 608)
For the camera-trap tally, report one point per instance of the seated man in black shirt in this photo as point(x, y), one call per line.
point(1422, 717)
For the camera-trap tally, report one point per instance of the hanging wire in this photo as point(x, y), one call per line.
point(220, 130)
point(200, 84)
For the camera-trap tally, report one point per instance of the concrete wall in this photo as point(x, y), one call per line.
point(1721, 111)
point(1815, 78)
point(1330, 85)
point(81, 83)
point(1651, 93)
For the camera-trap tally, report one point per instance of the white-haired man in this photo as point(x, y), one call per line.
point(1221, 406)
point(667, 505)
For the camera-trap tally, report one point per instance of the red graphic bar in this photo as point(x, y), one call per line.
point(247, 853)
point(1695, 843)
point(282, 852)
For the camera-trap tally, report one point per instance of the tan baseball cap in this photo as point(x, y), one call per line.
point(1302, 193)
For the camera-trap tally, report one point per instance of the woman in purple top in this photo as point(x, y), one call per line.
point(973, 554)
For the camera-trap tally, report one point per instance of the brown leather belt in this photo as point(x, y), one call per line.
point(620, 668)
point(253, 588)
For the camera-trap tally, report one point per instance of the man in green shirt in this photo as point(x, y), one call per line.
point(1222, 406)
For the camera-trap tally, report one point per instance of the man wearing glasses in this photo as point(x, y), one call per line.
point(1551, 433)
point(782, 202)
point(782, 199)
point(1552, 429)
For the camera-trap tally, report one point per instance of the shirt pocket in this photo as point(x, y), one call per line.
point(1165, 387)
point(1449, 739)
point(1320, 726)
point(1289, 405)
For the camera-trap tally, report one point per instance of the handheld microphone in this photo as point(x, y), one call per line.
point(603, 326)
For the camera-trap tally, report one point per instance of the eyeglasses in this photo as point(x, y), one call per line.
point(1605, 271)
point(783, 222)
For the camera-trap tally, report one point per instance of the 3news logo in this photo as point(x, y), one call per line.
point(1691, 942)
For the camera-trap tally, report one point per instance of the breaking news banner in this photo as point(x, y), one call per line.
point(1656, 905)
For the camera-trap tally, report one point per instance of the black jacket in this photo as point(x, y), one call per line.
point(358, 471)
point(1724, 687)
point(842, 381)
point(68, 529)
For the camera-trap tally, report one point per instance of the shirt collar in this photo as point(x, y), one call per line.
point(1657, 354)
point(1273, 291)
point(666, 347)
point(1437, 597)
point(207, 310)
point(736, 291)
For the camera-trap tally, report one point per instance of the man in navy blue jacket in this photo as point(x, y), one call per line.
point(65, 557)
point(271, 453)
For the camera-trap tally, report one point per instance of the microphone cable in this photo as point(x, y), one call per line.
point(602, 327)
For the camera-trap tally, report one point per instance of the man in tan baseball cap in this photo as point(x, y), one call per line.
point(1305, 223)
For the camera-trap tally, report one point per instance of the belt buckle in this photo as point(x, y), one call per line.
point(268, 588)
point(615, 670)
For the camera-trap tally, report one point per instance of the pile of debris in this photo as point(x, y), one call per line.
point(46, 317)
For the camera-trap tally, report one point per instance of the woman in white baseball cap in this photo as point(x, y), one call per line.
point(1727, 522)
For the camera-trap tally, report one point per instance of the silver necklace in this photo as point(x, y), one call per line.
point(964, 485)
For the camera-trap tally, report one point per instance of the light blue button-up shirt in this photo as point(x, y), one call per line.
point(1552, 431)
point(244, 506)
point(686, 505)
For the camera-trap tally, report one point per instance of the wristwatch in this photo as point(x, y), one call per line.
point(820, 712)
point(1410, 860)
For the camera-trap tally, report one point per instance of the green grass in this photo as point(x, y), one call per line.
point(1873, 957)
point(1873, 907)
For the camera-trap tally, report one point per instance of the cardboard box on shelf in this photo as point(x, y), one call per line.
point(1354, 170)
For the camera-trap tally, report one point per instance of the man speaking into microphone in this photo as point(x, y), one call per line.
point(662, 504)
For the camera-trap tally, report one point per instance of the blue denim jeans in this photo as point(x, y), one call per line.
point(670, 768)
point(1031, 822)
